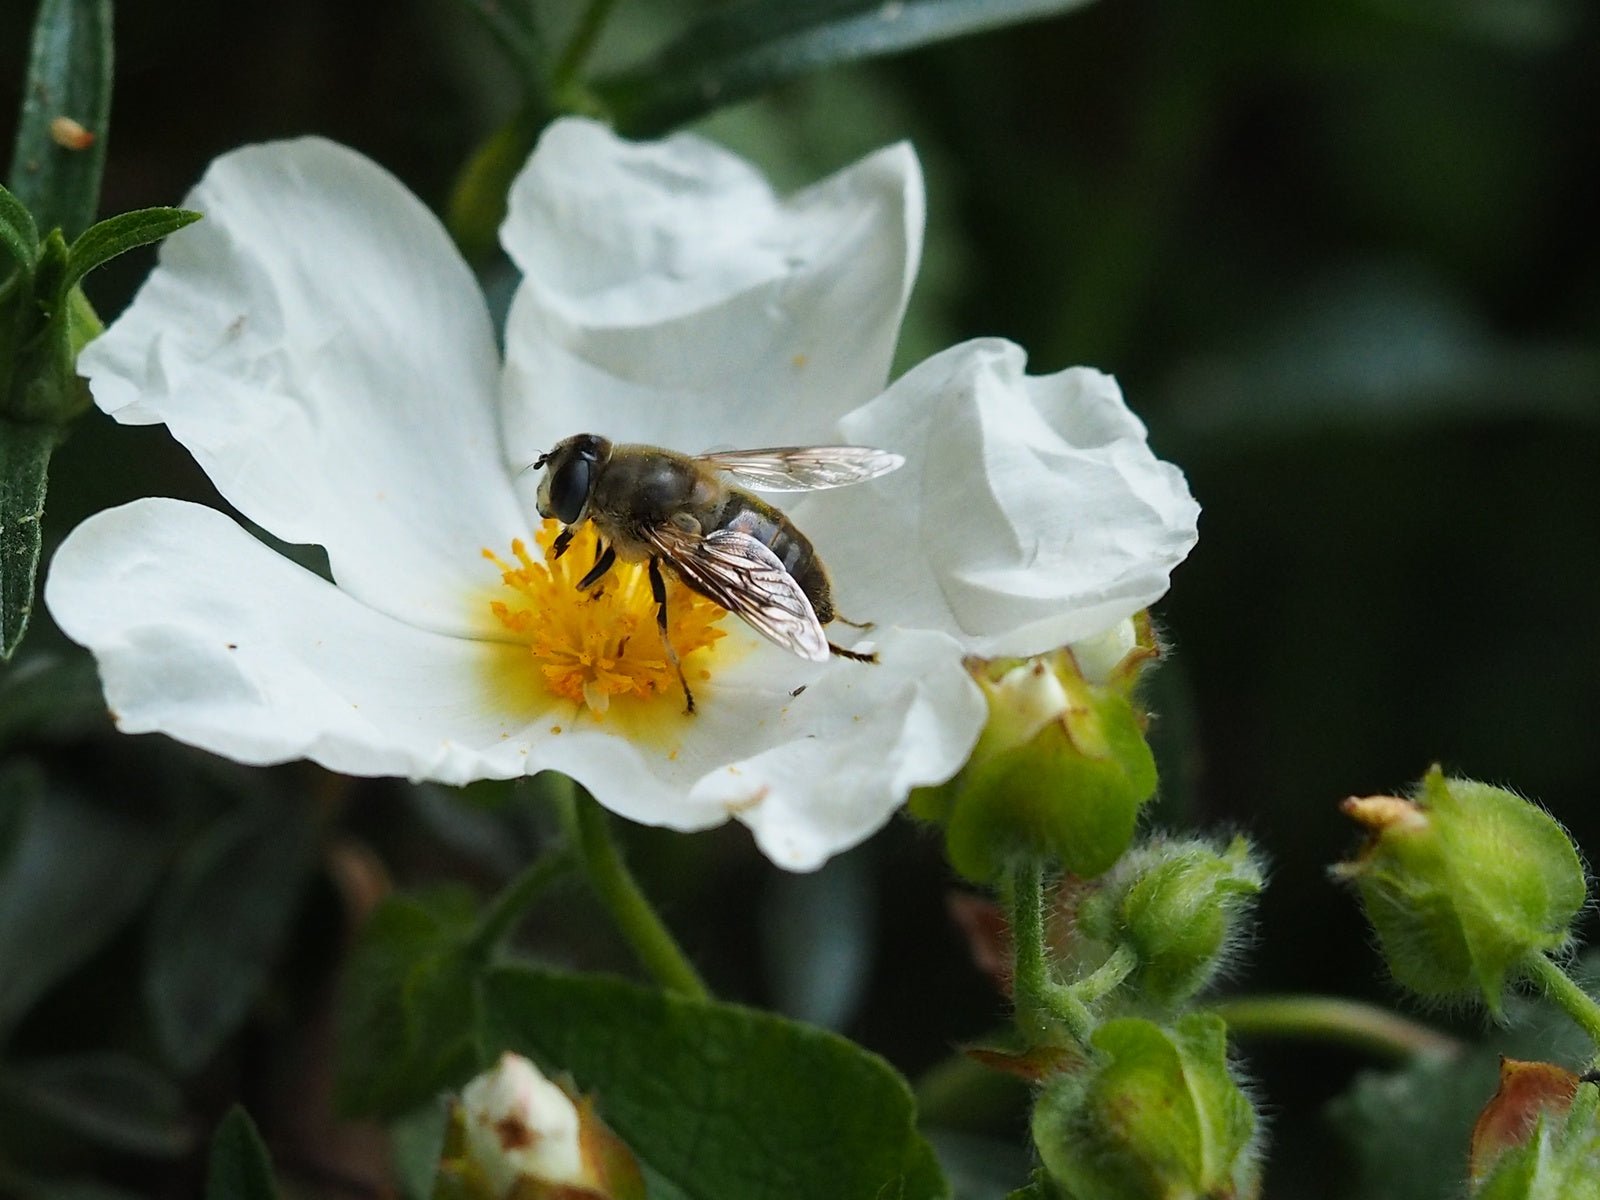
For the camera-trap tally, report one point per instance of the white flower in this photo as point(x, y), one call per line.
point(519, 1125)
point(321, 349)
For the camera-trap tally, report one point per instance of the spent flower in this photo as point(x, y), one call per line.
point(325, 354)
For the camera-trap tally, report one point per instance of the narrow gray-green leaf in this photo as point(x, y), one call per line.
point(53, 171)
point(741, 49)
point(512, 24)
point(73, 873)
point(19, 236)
point(121, 233)
point(25, 449)
point(218, 926)
point(721, 1102)
point(111, 1099)
point(240, 1168)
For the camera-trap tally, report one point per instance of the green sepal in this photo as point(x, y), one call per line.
point(1156, 1114)
point(1462, 884)
point(117, 235)
point(69, 75)
point(1059, 773)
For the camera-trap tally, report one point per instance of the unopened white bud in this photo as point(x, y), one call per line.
point(519, 1126)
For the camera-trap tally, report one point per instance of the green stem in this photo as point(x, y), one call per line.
point(1564, 992)
point(1330, 1019)
point(591, 23)
point(1042, 1004)
point(589, 831)
point(515, 898)
point(1105, 978)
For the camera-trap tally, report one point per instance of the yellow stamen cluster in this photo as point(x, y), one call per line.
point(592, 646)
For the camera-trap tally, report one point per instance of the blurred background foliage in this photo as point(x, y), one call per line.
point(1341, 255)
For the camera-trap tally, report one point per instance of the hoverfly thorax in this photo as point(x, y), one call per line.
point(571, 470)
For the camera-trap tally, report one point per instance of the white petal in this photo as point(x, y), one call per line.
point(203, 633)
point(1031, 512)
point(871, 734)
point(669, 297)
point(811, 775)
point(322, 350)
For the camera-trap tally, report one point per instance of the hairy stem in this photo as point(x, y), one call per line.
point(515, 898)
point(1043, 1005)
point(1563, 991)
point(591, 23)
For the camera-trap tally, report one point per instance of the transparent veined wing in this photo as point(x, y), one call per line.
point(804, 468)
point(736, 571)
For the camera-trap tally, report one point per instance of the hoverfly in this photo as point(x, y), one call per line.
point(733, 548)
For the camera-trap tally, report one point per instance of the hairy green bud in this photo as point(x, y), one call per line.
point(1154, 1115)
point(1176, 903)
point(1463, 883)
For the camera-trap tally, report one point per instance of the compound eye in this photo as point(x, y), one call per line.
point(569, 489)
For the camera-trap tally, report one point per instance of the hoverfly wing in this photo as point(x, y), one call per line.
point(738, 572)
point(803, 468)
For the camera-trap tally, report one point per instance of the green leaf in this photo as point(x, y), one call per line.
point(720, 1102)
point(69, 75)
point(71, 874)
point(418, 1142)
point(512, 24)
point(218, 926)
point(112, 1099)
point(50, 697)
point(741, 49)
point(116, 235)
point(19, 236)
point(411, 1014)
point(25, 449)
point(1406, 1131)
point(240, 1168)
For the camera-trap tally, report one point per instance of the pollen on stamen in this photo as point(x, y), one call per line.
point(595, 646)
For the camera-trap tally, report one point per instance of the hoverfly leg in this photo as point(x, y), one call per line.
point(563, 540)
point(855, 624)
point(601, 566)
point(852, 655)
point(658, 590)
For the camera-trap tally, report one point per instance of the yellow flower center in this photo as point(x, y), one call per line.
point(592, 646)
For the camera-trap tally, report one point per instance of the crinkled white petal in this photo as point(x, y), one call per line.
point(670, 297)
point(1031, 512)
point(811, 774)
point(204, 633)
point(320, 347)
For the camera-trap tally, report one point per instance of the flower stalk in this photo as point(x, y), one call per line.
point(589, 833)
point(1042, 1004)
point(1563, 991)
point(503, 913)
point(1331, 1019)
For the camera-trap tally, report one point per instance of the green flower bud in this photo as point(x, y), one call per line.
point(1155, 1115)
point(1538, 1139)
point(1462, 884)
point(1061, 768)
point(1176, 904)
